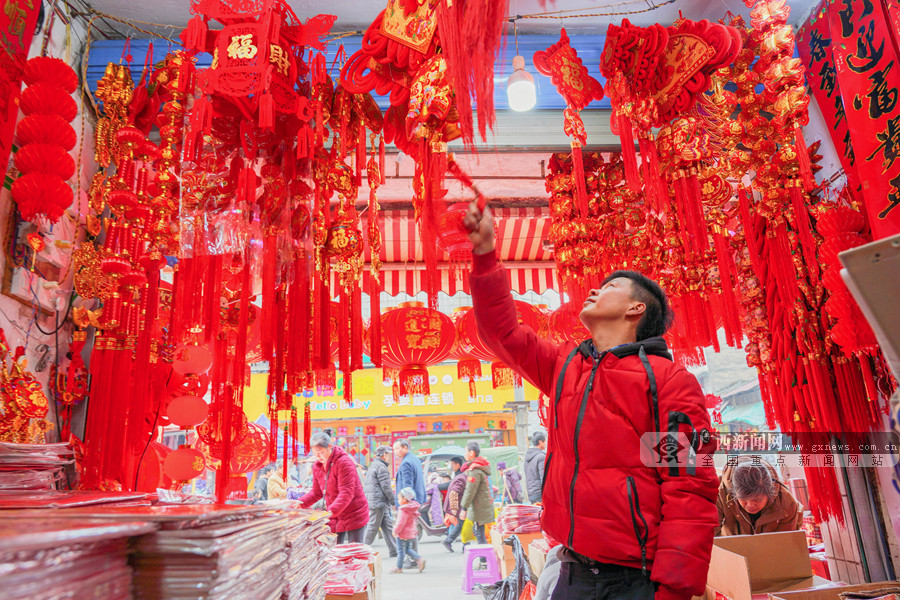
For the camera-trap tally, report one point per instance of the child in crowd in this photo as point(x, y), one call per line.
point(405, 529)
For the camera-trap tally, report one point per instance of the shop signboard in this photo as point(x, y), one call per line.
point(373, 397)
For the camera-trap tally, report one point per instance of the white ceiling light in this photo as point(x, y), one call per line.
point(520, 90)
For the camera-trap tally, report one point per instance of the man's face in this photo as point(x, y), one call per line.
point(470, 455)
point(609, 303)
point(454, 467)
point(542, 444)
point(400, 450)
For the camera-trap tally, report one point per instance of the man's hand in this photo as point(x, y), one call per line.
point(480, 226)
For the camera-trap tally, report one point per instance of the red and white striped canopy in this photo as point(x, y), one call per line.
point(520, 236)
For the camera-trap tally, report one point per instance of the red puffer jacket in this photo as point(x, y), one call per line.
point(343, 490)
point(601, 499)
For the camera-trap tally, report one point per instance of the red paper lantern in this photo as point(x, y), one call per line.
point(565, 326)
point(184, 464)
point(188, 385)
point(46, 129)
point(452, 236)
point(47, 99)
point(150, 474)
point(469, 341)
point(46, 69)
point(41, 193)
point(187, 411)
point(192, 359)
point(251, 454)
point(46, 158)
point(468, 350)
point(413, 337)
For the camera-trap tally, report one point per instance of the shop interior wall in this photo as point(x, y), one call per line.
point(23, 290)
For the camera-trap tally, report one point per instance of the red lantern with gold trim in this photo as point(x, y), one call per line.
point(565, 326)
point(184, 464)
point(468, 350)
point(414, 337)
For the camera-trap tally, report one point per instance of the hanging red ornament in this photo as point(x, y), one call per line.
point(189, 359)
point(184, 464)
point(46, 129)
point(41, 194)
point(46, 69)
point(187, 411)
point(47, 99)
point(45, 158)
point(414, 337)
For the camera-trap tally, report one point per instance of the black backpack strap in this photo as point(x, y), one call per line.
point(559, 386)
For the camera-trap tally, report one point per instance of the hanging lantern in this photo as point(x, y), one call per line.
point(190, 359)
point(470, 342)
point(251, 454)
point(468, 350)
point(187, 411)
point(184, 464)
point(452, 236)
point(413, 338)
point(565, 326)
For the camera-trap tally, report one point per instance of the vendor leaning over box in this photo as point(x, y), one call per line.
point(630, 531)
point(752, 500)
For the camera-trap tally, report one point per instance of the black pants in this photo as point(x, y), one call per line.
point(353, 536)
point(602, 582)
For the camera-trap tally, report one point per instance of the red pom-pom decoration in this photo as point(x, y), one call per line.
point(45, 69)
point(41, 193)
point(45, 158)
point(47, 99)
point(46, 129)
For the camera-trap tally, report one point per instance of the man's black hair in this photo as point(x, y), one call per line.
point(457, 459)
point(658, 316)
point(474, 447)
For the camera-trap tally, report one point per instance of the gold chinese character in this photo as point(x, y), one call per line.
point(215, 60)
point(413, 340)
point(242, 47)
point(278, 58)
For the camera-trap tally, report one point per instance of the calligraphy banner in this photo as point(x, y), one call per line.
point(868, 76)
point(814, 45)
point(17, 22)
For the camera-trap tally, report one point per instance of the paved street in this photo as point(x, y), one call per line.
point(441, 579)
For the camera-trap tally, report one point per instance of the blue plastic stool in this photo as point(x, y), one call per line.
point(487, 576)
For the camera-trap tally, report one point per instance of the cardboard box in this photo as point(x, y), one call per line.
point(746, 565)
point(833, 593)
point(376, 568)
point(537, 556)
point(504, 553)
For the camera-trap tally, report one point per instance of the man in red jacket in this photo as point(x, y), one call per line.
point(632, 527)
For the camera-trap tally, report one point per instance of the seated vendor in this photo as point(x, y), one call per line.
point(752, 500)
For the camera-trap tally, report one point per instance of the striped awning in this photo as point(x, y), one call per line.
point(520, 236)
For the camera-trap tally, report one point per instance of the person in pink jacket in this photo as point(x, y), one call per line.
point(405, 529)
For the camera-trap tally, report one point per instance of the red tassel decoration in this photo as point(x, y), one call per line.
point(307, 425)
point(580, 183)
point(295, 431)
point(629, 158)
point(356, 329)
point(809, 180)
point(344, 333)
point(804, 230)
point(361, 154)
point(194, 36)
point(267, 314)
point(266, 111)
point(381, 159)
point(321, 321)
point(728, 275)
point(374, 291)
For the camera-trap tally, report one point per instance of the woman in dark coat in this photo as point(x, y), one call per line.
point(335, 474)
point(752, 500)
